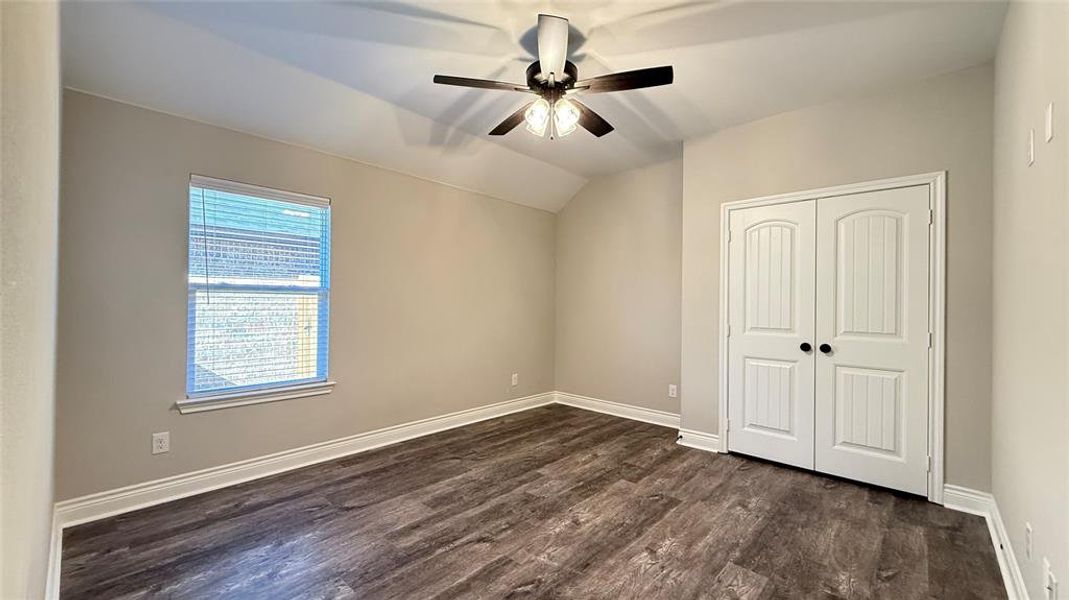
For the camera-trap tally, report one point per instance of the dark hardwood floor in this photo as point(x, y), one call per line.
point(553, 502)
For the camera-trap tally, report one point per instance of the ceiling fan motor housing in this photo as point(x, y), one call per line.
point(571, 74)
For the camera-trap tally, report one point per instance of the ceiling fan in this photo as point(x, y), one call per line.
point(555, 81)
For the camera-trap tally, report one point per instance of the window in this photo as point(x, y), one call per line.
point(259, 290)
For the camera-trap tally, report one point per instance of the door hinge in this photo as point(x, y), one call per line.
point(930, 339)
point(931, 216)
point(729, 330)
point(729, 234)
point(929, 463)
point(727, 425)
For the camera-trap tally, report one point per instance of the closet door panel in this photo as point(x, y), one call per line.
point(871, 421)
point(771, 314)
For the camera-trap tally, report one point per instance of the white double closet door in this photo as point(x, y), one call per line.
point(829, 335)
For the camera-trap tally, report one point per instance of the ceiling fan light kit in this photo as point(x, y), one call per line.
point(555, 80)
point(537, 117)
point(565, 117)
point(562, 114)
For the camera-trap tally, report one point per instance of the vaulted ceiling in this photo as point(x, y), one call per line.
point(354, 79)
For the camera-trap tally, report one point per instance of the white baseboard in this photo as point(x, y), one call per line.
point(55, 551)
point(697, 439)
point(967, 500)
point(141, 495)
point(113, 502)
point(983, 504)
point(109, 503)
point(627, 411)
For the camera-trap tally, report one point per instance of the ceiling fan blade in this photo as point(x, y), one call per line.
point(627, 80)
point(511, 121)
point(592, 121)
point(552, 45)
point(479, 83)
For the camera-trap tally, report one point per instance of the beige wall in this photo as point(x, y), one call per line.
point(618, 282)
point(939, 124)
point(1031, 300)
point(29, 186)
point(438, 296)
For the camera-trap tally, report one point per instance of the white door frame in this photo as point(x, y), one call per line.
point(936, 183)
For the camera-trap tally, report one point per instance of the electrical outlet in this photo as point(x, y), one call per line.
point(515, 379)
point(161, 442)
point(673, 391)
point(1050, 584)
point(1027, 540)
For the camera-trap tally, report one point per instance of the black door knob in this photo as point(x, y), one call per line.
point(825, 348)
point(806, 347)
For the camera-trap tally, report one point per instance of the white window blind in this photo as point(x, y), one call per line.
point(259, 288)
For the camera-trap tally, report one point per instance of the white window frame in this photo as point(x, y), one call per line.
point(209, 402)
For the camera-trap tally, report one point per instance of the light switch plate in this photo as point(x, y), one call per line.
point(1050, 122)
point(1031, 146)
point(515, 379)
point(673, 391)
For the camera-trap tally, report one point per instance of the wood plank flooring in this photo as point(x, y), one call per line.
point(553, 502)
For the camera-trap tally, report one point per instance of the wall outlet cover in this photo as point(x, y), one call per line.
point(515, 379)
point(161, 442)
point(673, 391)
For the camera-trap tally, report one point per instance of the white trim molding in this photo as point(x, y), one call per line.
point(248, 189)
point(936, 183)
point(983, 504)
point(55, 552)
point(142, 495)
point(627, 411)
point(220, 401)
point(109, 503)
point(112, 502)
point(692, 438)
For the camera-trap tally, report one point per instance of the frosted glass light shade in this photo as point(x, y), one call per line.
point(537, 117)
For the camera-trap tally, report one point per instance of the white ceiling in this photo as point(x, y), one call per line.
point(354, 79)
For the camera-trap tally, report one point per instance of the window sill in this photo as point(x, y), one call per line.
point(205, 403)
